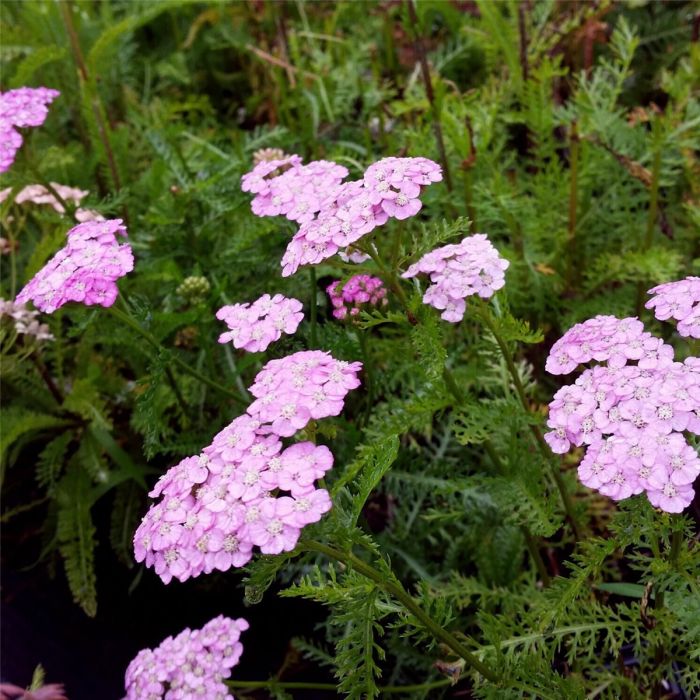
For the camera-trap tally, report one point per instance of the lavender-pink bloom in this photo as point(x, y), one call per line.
point(680, 301)
point(252, 327)
point(457, 271)
point(631, 416)
point(85, 270)
point(192, 664)
point(20, 108)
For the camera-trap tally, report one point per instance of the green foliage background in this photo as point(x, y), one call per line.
point(571, 134)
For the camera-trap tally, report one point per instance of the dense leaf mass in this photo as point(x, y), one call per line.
point(439, 261)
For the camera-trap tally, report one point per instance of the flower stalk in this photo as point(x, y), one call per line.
point(394, 589)
point(537, 433)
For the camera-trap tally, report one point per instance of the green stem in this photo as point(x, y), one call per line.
point(97, 108)
point(313, 306)
point(574, 264)
point(367, 364)
point(300, 685)
point(653, 212)
point(530, 541)
point(537, 433)
point(676, 543)
point(394, 589)
point(434, 107)
point(136, 326)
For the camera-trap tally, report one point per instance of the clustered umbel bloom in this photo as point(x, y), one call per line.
point(287, 188)
point(458, 271)
point(193, 664)
point(252, 327)
point(21, 108)
point(333, 215)
point(246, 489)
point(359, 291)
point(24, 320)
point(390, 188)
point(679, 301)
point(630, 417)
point(85, 270)
point(38, 194)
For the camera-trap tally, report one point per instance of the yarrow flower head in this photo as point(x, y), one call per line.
point(358, 292)
point(458, 271)
point(679, 301)
point(24, 320)
point(20, 108)
point(287, 188)
point(630, 417)
point(252, 327)
point(246, 489)
point(333, 214)
point(85, 270)
point(38, 194)
point(193, 664)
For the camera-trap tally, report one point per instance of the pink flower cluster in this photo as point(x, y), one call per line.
point(38, 194)
point(390, 189)
point(333, 216)
point(631, 417)
point(680, 301)
point(19, 109)
point(24, 320)
point(287, 188)
point(348, 299)
point(458, 271)
point(216, 506)
point(193, 664)
point(252, 327)
point(85, 270)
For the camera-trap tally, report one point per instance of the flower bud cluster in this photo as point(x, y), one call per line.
point(458, 271)
point(21, 108)
point(359, 291)
point(630, 417)
point(85, 270)
point(24, 320)
point(679, 301)
point(252, 327)
point(246, 489)
point(193, 664)
point(194, 289)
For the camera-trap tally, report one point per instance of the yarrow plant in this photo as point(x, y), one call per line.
point(358, 292)
point(252, 327)
point(471, 267)
point(631, 417)
point(192, 664)
point(218, 505)
point(85, 270)
point(21, 108)
point(679, 301)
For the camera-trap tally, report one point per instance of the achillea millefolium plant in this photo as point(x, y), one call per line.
point(389, 306)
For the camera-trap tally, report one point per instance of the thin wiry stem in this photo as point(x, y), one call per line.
point(393, 588)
